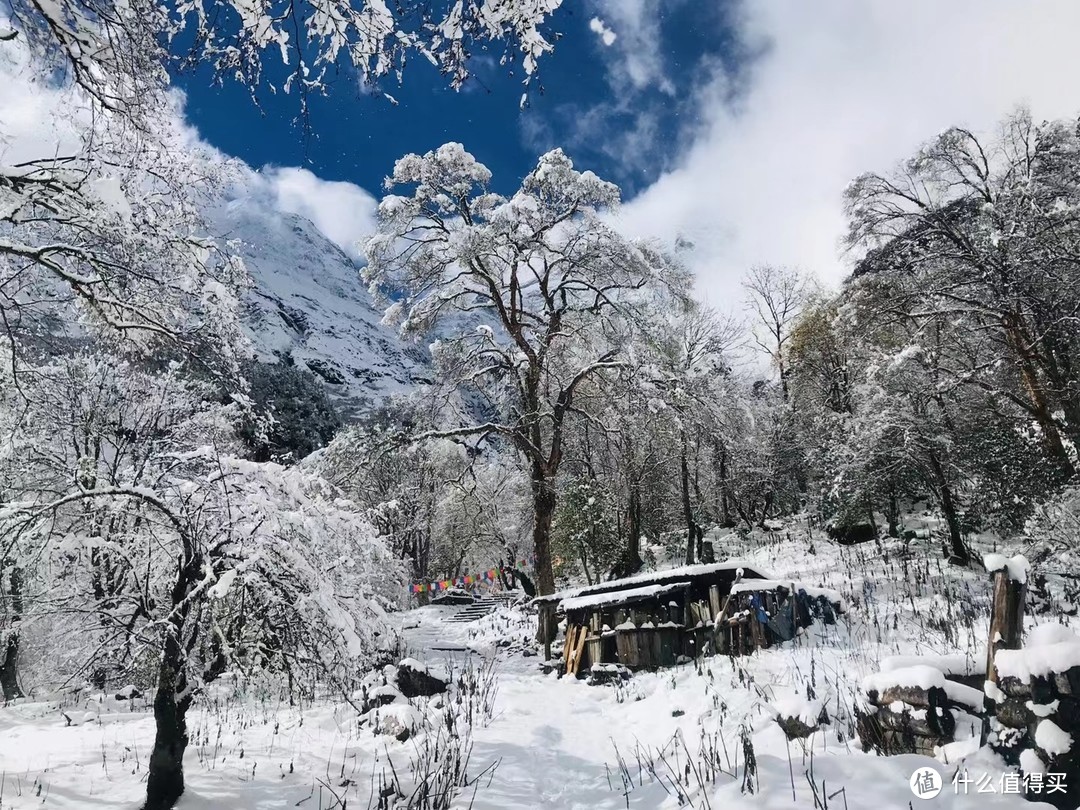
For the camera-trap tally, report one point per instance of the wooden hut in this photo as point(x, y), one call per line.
point(653, 620)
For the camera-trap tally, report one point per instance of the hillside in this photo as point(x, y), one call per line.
point(310, 307)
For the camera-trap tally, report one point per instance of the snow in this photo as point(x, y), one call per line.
point(310, 305)
point(220, 588)
point(1016, 567)
point(798, 706)
point(1049, 649)
point(1030, 762)
point(752, 585)
point(619, 597)
point(558, 742)
point(922, 676)
point(687, 571)
point(946, 664)
point(1052, 739)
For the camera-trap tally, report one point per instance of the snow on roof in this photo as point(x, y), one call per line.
point(658, 577)
point(923, 677)
point(751, 585)
point(620, 597)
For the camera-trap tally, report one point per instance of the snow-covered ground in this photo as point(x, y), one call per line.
point(679, 737)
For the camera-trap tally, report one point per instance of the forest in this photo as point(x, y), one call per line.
point(175, 511)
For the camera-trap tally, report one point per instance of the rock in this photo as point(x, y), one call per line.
point(1015, 713)
point(852, 534)
point(677, 712)
point(416, 680)
point(557, 665)
point(1014, 687)
point(399, 720)
point(527, 653)
point(600, 674)
point(380, 696)
point(129, 693)
point(392, 726)
point(794, 728)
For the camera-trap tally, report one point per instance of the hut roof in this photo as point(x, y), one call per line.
point(753, 585)
point(621, 597)
point(728, 569)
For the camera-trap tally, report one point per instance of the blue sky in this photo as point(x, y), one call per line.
point(733, 126)
point(628, 134)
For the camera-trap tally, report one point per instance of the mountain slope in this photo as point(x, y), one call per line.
point(310, 307)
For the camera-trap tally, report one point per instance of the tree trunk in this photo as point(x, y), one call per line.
point(585, 563)
point(688, 516)
point(632, 561)
point(1038, 396)
point(959, 553)
point(892, 514)
point(166, 776)
point(9, 663)
point(543, 514)
point(720, 462)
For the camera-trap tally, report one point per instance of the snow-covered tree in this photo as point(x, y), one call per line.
point(118, 52)
point(552, 285)
point(987, 228)
point(166, 557)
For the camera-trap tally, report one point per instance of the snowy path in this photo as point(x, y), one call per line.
point(548, 757)
point(555, 738)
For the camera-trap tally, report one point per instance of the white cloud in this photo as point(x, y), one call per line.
point(636, 59)
point(845, 86)
point(41, 120)
point(607, 36)
point(344, 212)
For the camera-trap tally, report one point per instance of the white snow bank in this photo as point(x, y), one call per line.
point(923, 677)
point(1052, 739)
point(1050, 648)
point(946, 664)
point(799, 707)
point(1030, 762)
point(1016, 567)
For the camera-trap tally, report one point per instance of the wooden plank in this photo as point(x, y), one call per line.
point(568, 645)
point(575, 656)
point(714, 601)
point(594, 647)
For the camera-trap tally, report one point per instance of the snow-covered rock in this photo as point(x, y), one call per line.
point(415, 679)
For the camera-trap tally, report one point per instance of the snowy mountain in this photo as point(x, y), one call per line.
point(310, 307)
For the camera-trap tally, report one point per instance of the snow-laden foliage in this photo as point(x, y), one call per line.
point(440, 509)
point(553, 290)
point(122, 489)
point(117, 52)
point(150, 554)
point(100, 234)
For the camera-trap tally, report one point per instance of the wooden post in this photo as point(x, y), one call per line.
point(1006, 630)
point(794, 616)
point(1006, 619)
point(546, 627)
